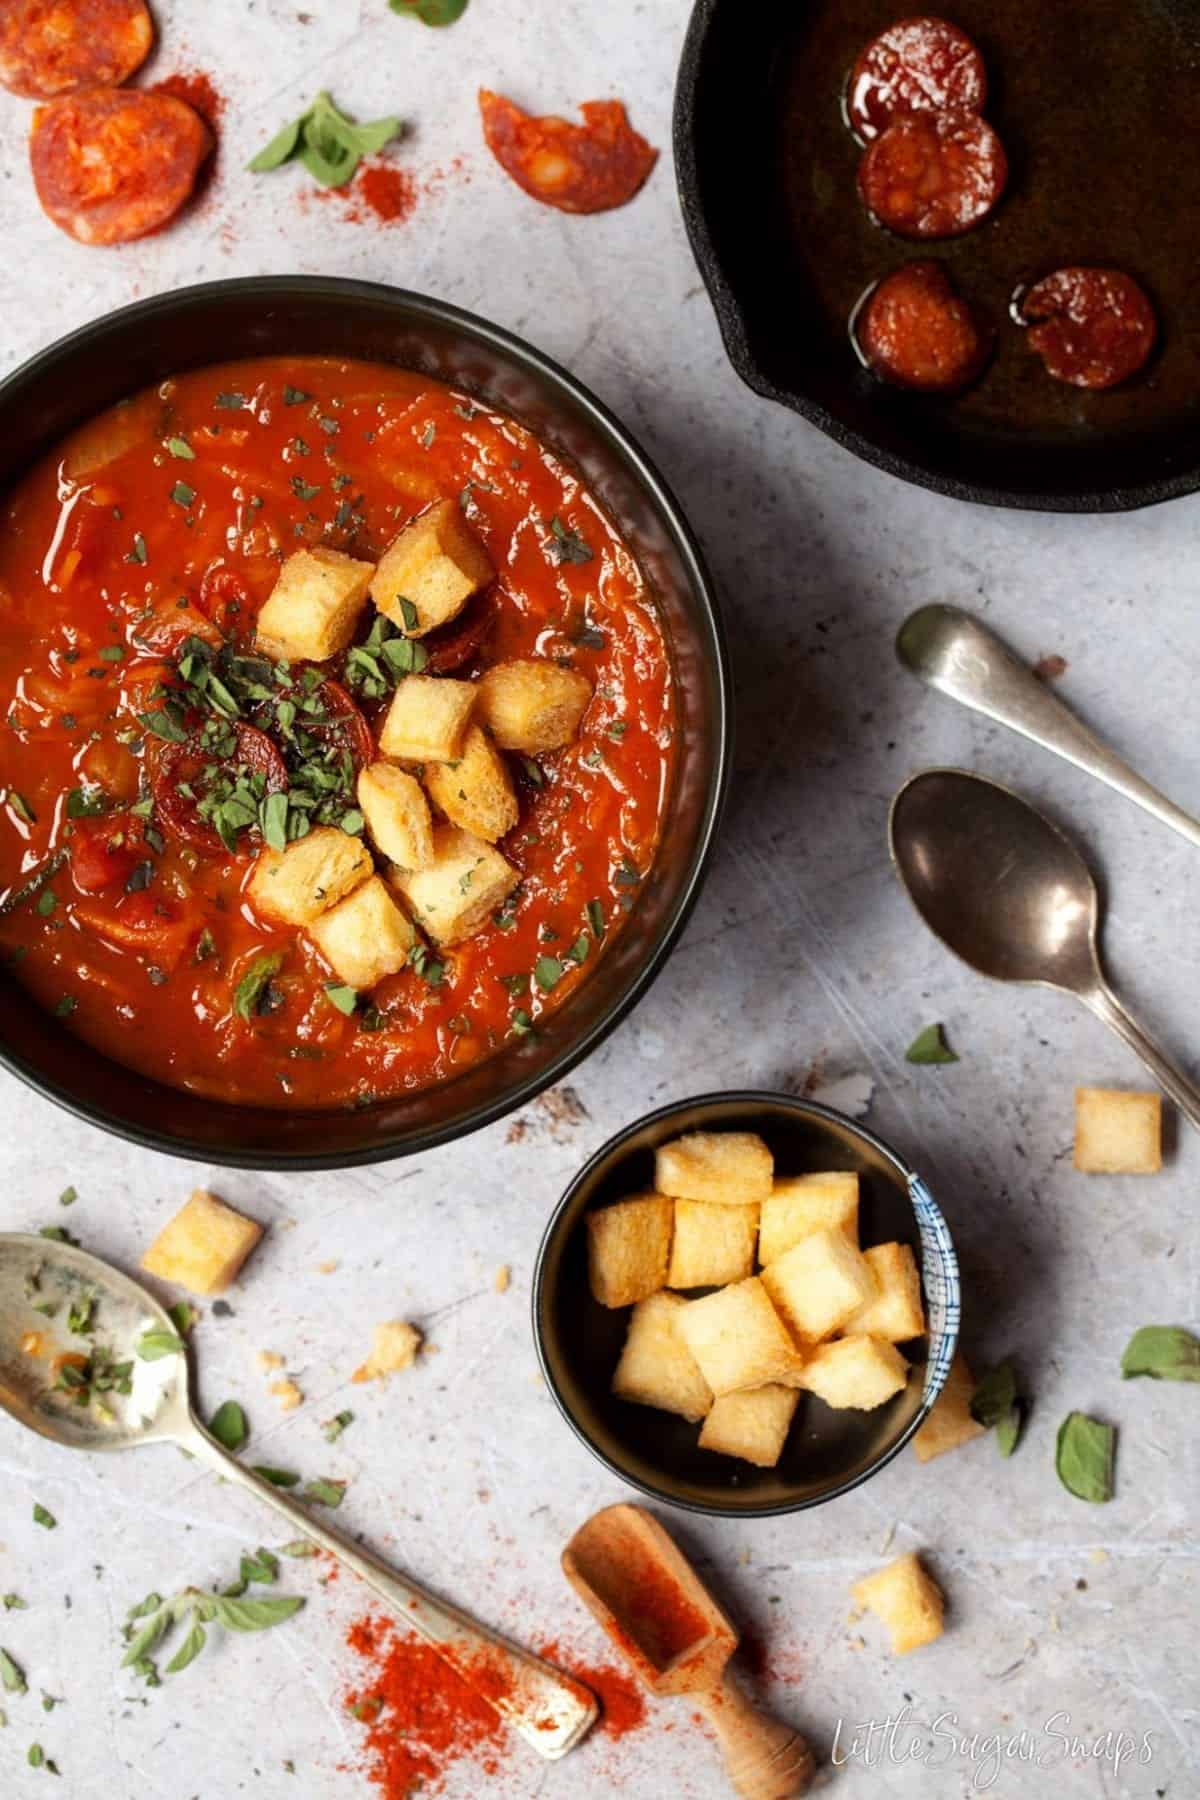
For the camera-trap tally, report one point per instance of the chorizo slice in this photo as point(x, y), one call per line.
point(1093, 328)
point(52, 47)
point(915, 66)
point(114, 164)
point(933, 175)
point(578, 168)
point(913, 329)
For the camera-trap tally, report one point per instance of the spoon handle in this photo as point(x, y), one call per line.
point(549, 1709)
point(954, 653)
point(764, 1758)
point(1176, 1085)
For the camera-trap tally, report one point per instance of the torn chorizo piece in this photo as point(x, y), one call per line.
point(1093, 328)
point(914, 330)
point(921, 65)
point(933, 175)
point(115, 164)
point(578, 168)
point(52, 47)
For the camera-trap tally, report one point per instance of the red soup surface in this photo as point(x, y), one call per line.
point(133, 563)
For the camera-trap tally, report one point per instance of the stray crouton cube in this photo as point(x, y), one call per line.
point(752, 1425)
point(895, 1312)
point(801, 1204)
point(287, 1394)
point(397, 813)
point(296, 885)
point(476, 791)
point(656, 1366)
point(427, 720)
point(860, 1372)
point(712, 1245)
point(738, 1338)
point(532, 705)
point(628, 1246)
point(1117, 1133)
point(311, 612)
point(427, 574)
point(364, 937)
point(950, 1422)
point(203, 1246)
point(819, 1283)
point(909, 1602)
point(725, 1168)
point(462, 886)
point(395, 1347)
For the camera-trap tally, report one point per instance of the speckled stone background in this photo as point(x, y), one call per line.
point(802, 963)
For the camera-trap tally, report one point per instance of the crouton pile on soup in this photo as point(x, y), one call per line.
point(338, 731)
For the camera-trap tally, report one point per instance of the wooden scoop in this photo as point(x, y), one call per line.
point(636, 1581)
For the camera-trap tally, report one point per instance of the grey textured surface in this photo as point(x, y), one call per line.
point(802, 954)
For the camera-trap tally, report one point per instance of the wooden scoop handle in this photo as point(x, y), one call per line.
point(764, 1758)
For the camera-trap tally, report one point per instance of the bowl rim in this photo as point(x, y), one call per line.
point(735, 335)
point(711, 632)
point(749, 1098)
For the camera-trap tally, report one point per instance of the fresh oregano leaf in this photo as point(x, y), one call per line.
point(430, 12)
point(324, 1492)
point(144, 1641)
point(281, 147)
point(262, 1567)
point(1164, 1352)
point(153, 1345)
point(255, 1615)
point(12, 1675)
point(283, 1478)
point(228, 1425)
point(248, 995)
point(298, 1547)
point(930, 1046)
point(1084, 1457)
point(190, 1648)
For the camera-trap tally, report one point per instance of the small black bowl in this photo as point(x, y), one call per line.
point(1093, 99)
point(306, 315)
point(579, 1341)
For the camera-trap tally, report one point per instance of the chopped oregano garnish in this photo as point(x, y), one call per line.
point(547, 972)
point(42, 1516)
point(281, 1478)
point(251, 990)
point(343, 997)
point(565, 545)
point(138, 553)
point(47, 902)
point(997, 1406)
point(930, 1046)
point(334, 1427)
point(156, 1343)
point(182, 494)
point(12, 1675)
point(231, 401)
point(305, 490)
point(294, 396)
point(183, 1316)
point(85, 803)
point(179, 446)
point(521, 1022)
point(228, 1425)
point(578, 952)
point(595, 919)
point(323, 1492)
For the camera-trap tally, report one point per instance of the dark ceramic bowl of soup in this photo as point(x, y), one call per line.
point(161, 466)
point(827, 1451)
point(1093, 100)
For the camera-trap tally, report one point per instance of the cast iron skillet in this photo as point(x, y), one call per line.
point(1093, 99)
point(271, 315)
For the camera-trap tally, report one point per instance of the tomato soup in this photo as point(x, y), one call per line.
point(153, 751)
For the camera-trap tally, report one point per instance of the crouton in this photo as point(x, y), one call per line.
point(312, 611)
point(1117, 1133)
point(288, 1395)
point(725, 1168)
point(859, 1372)
point(428, 573)
point(950, 1422)
point(752, 1425)
point(294, 886)
point(712, 1245)
point(476, 791)
point(628, 1246)
point(909, 1602)
point(394, 1347)
point(427, 720)
point(364, 937)
point(895, 1312)
point(204, 1246)
point(463, 885)
point(394, 806)
point(656, 1366)
point(818, 1284)
point(800, 1204)
point(532, 705)
point(738, 1338)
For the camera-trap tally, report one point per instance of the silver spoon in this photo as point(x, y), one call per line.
point(1009, 894)
point(41, 1279)
point(951, 651)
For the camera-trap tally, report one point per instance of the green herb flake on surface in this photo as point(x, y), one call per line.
point(228, 1425)
point(12, 1675)
point(1164, 1352)
point(334, 1427)
point(42, 1516)
point(930, 1046)
point(547, 972)
point(997, 1406)
point(156, 1343)
point(180, 447)
point(323, 1492)
point(430, 12)
point(329, 143)
point(281, 1478)
point(566, 545)
point(68, 1197)
point(1083, 1457)
point(183, 1316)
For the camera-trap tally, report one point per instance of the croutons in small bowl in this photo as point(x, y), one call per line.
point(746, 1304)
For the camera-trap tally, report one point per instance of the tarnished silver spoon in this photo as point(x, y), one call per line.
point(1009, 894)
point(44, 1282)
point(953, 651)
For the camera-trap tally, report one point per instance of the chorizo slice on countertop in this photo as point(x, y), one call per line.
point(915, 66)
point(913, 329)
point(578, 168)
point(1093, 328)
point(52, 47)
point(933, 175)
point(114, 164)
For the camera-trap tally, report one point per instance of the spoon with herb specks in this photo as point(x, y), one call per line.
point(89, 1359)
